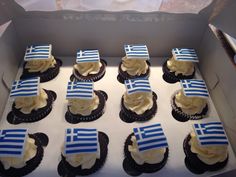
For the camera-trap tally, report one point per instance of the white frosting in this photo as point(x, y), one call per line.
point(27, 104)
point(134, 67)
point(180, 67)
point(152, 156)
point(40, 65)
point(85, 160)
point(16, 162)
point(190, 105)
point(138, 102)
point(208, 154)
point(88, 68)
point(83, 106)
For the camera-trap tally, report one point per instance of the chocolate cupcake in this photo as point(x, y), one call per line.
point(139, 102)
point(21, 153)
point(39, 62)
point(180, 66)
point(146, 150)
point(85, 104)
point(206, 148)
point(135, 64)
point(190, 103)
point(31, 103)
point(84, 152)
point(88, 67)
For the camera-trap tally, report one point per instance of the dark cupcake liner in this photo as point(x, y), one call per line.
point(97, 113)
point(65, 169)
point(48, 75)
point(76, 76)
point(171, 78)
point(33, 163)
point(128, 116)
point(123, 75)
point(17, 117)
point(194, 164)
point(179, 115)
point(134, 169)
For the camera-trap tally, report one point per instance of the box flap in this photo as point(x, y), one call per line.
point(225, 18)
point(8, 10)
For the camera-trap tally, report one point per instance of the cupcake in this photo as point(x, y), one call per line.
point(138, 102)
point(31, 103)
point(20, 152)
point(84, 152)
point(88, 67)
point(146, 150)
point(190, 103)
point(39, 62)
point(180, 65)
point(135, 64)
point(84, 103)
point(206, 148)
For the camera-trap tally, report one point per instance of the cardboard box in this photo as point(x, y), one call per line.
point(109, 31)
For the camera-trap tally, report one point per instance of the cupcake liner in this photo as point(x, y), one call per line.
point(194, 164)
point(48, 75)
point(179, 115)
point(171, 78)
point(130, 116)
point(97, 113)
point(30, 166)
point(17, 117)
point(134, 169)
point(65, 169)
point(76, 76)
point(123, 75)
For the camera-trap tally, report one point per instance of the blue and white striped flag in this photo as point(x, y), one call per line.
point(12, 142)
point(85, 56)
point(137, 85)
point(25, 88)
point(136, 52)
point(38, 52)
point(185, 54)
point(194, 88)
point(150, 137)
point(82, 90)
point(211, 133)
point(81, 140)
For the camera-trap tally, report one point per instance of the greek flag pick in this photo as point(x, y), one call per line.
point(194, 88)
point(137, 85)
point(87, 56)
point(211, 133)
point(82, 90)
point(81, 140)
point(150, 137)
point(137, 52)
point(12, 142)
point(38, 52)
point(185, 54)
point(25, 88)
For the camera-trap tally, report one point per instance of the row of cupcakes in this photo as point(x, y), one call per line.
point(84, 151)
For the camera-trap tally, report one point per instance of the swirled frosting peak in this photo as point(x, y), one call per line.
point(208, 154)
point(40, 65)
point(16, 162)
point(83, 106)
point(134, 67)
point(138, 102)
point(190, 105)
point(180, 67)
point(88, 68)
point(27, 104)
point(85, 160)
point(152, 156)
